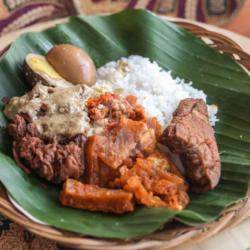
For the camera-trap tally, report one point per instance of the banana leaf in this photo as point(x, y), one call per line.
point(108, 38)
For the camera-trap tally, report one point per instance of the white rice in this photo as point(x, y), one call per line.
point(157, 91)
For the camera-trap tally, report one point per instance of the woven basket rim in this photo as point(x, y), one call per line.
point(166, 238)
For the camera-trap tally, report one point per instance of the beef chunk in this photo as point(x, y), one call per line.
point(94, 198)
point(191, 135)
point(49, 159)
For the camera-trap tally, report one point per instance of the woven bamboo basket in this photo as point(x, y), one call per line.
point(174, 233)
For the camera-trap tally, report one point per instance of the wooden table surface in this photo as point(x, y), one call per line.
point(237, 238)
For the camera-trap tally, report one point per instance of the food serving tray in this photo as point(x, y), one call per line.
point(174, 233)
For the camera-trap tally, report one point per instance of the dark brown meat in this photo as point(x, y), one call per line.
point(51, 160)
point(93, 198)
point(190, 135)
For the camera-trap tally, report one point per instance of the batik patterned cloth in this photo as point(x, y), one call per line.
point(210, 11)
point(14, 237)
point(15, 14)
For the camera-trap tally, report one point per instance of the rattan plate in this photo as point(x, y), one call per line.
point(175, 233)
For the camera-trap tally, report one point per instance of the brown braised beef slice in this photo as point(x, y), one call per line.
point(94, 198)
point(51, 160)
point(191, 135)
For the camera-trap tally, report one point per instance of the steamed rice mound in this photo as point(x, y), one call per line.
point(157, 91)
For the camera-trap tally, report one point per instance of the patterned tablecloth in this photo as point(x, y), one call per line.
point(14, 237)
point(16, 14)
